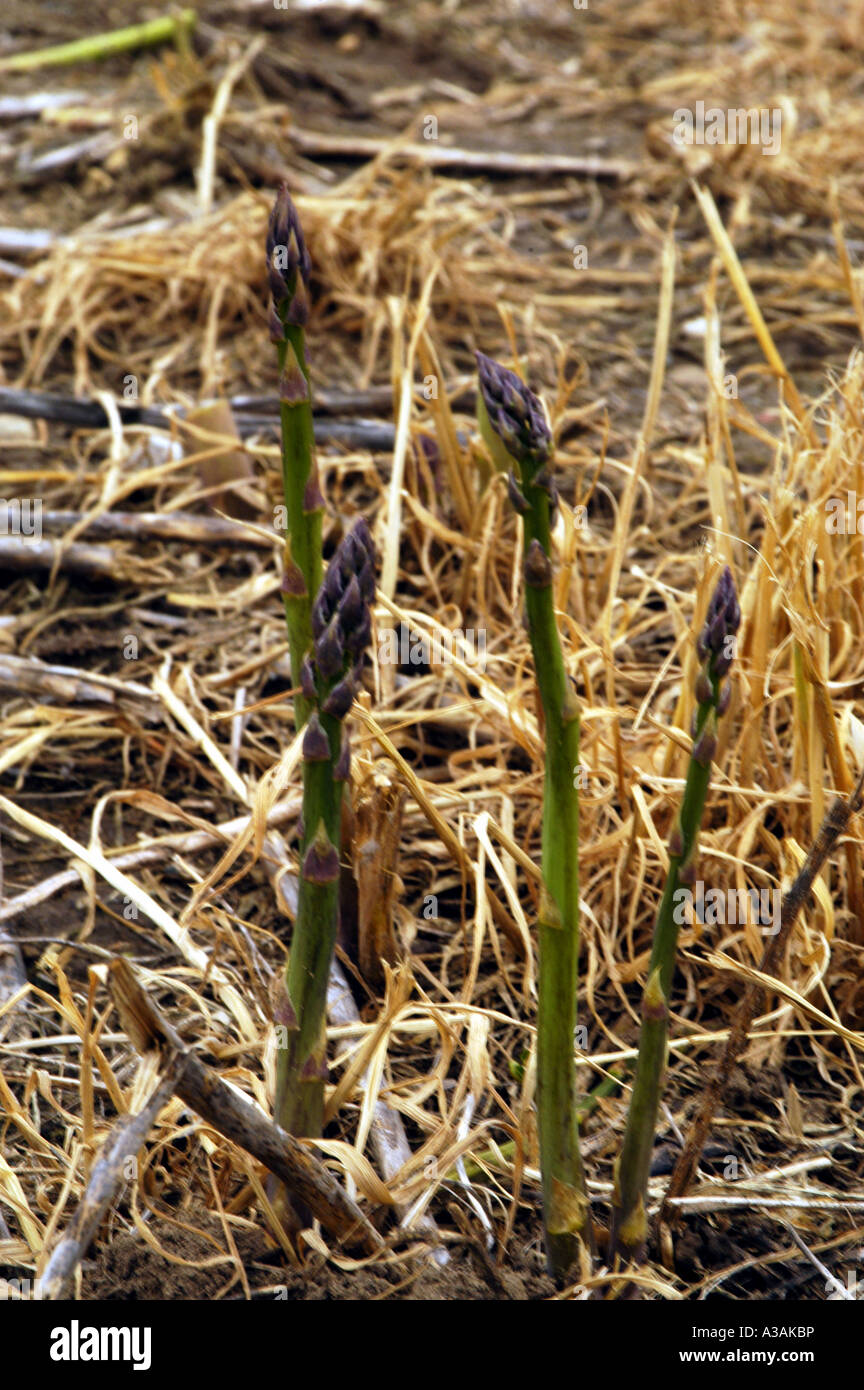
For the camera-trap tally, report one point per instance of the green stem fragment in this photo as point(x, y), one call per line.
point(154, 31)
point(301, 1063)
point(629, 1231)
point(565, 1200)
point(303, 563)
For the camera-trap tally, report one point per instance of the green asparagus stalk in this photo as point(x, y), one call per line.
point(329, 627)
point(715, 648)
point(340, 625)
point(514, 426)
point(288, 270)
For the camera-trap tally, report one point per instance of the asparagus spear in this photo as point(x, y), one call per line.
point(715, 648)
point(288, 270)
point(514, 426)
point(341, 629)
point(329, 627)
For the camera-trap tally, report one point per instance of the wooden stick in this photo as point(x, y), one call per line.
point(46, 163)
point(124, 1141)
point(24, 554)
point(835, 822)
point(26, 675)
point(236, 1118)
point(189, 528)
point(13, 976)
point(435, 156)
point(82, 413)
point(375, 400)
point(25, 241)
point(23, 107)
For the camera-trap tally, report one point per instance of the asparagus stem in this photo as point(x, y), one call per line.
point(301, 1066)
point(565, 1202)
point(340, 628)
point(303, 542)
point(629, 1229)
point(288, 268)
point(328, 630)
point(512, 421)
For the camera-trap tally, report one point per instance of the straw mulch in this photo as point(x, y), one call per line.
point(704, 376)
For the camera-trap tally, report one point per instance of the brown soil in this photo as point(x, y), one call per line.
point(128, 1269)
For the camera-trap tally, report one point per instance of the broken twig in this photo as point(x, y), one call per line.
point(124, 1141)
point(81, 413)
point(237, 1118)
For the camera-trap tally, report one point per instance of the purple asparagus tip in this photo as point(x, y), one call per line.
point(288, 266)
point(341, 621)
point(515, 413)
point(716, 642)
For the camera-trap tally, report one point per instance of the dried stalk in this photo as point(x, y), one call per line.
point(238, 1119)
point(106, 1178)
